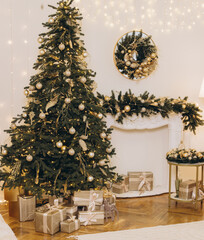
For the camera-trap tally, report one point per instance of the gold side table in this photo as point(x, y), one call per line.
point(172, 196)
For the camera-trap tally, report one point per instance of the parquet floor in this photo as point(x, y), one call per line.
point(134, 213)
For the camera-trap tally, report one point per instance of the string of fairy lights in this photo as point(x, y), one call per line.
point(160, 15)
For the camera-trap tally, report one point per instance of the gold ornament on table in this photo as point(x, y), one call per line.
point(135, 55)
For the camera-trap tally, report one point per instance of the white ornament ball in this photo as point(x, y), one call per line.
point(4, 152)
point(40, 39)
point(31, 88)
point(51, 20)
point(100, 115)
point(42, 52)
point(42, 115)
point(103, 135)
point(82, 79)
point(109, 137)
point(102, 162)
point(108, 150)
point(91, 154)
point(71, 152)
point(90, 178)
point(59, 144)
point(26, 92)
point(13, 126)
point(143, 109)
point(81, 107)
point(24, 115)
point(61, 46)
point(67, 100)
point(29, 158)
point(39, 85)
point(127, 108)
point(72, 130)
point(67, 73)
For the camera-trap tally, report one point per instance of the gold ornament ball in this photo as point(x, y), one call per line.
point(26, 92)
point(103, 135)
point(91, 154)
point(90, 178)
point(29, 158)
point(145, 63)
point(67, 73)
point(100, 115)
point(145, 70)
point(153, 55)
point(40, 39)
point(122, 51)
point(67, 100)
point(185, 155)
point(148, 63)
point(142, 64)
point(127, 108)
point(102, 162)
point(140, 68)
point(107, 98)
point(83, 79)
point(149, 59)
point(24, 115)
point(61, 46)
point(109, 137)
point(72, 130)
point(13, 126)
point(4, 152)
point(59, 144)
point(183, 106)
point(71, 152)
point(51, 20)
point(126, 67)
point(81, 107)
point(137, 71)
point(42, 52)
point(133, 65)
point(63, 148)
point(85, 54)
point(129, 51)
point(42, 115)
point(39, 86)
point(143, 109)
point(128, 63)
point(32, 88)
point(108, 150)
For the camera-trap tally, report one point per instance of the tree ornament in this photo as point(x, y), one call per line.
point(61, 46)
point(183, 106)
point(90, 178)
point(108, 150)
point(91, 154)
point(153, 55)
point(109, 137)
point(127, 108)
point(42, 115)
point(128, 63)
point(85, 54)
point(63, 148)
point(29, 158)
point(31, 88)
point(59, 144)
point(143, 109)
point(26, 92)
point(51, 20)
point(24, 115)
point(145, 70)
point(67, 73)
point(13, 126)
point(67, 100)
point(100, 115)
point(81, 107)
point(39, 86)
point(82, 79)
point(102, 162)
point(71, 152)
point(107, 98)
point(72, 130)
point(4, 152)
point(42, 52)
point(103, 135)
point(40, 39)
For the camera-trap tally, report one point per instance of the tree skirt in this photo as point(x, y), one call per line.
point(5, 231)
point(184, 231)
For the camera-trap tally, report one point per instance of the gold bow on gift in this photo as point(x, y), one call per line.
point(145, 184)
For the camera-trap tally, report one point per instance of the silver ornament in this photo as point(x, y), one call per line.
point(29, 158)
point(102, 162)
point(59, 144)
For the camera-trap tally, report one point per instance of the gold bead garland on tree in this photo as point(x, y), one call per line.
point(135, 55)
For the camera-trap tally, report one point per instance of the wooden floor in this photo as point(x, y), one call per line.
point(134, 213)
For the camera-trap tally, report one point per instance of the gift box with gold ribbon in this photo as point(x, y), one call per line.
point(47, 218)
point(87, 198)
point(27, 205)
point(70, 225)
point(91, 217)
point(186, 189)
point(121, 187)
point(140, 181)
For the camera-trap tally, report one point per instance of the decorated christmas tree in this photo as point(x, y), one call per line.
point(60, 142)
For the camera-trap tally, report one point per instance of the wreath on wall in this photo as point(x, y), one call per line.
point(145, 105)
point(135, 55)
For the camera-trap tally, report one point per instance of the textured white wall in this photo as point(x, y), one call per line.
point(179, 73)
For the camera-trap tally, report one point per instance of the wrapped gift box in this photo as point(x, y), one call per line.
point(27, 205)
point(47, 220)
point(91, 218)
point(84, 198)
point(110, 198)
point(186, 189)
point(53, 199)
point(70, 225)
point(140, 181)
point(72, 210)
point(121, 187)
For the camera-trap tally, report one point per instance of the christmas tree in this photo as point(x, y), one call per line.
point(60, 142)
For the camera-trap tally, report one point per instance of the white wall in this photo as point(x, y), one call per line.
point(179, 73)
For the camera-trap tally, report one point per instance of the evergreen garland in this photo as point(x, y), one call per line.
point(146, 105)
